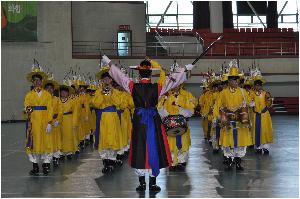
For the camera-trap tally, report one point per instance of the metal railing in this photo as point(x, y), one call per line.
point(262, 49)
point(238, 22)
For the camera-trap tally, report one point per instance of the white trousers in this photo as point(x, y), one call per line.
point(181, 157)
point(57, 154)
point(235, 152)
point(108, 154)
point(263, 146)
point(142, 172)
point(36, 158)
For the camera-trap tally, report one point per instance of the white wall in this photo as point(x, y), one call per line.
point(99, 21)
point(54, 49)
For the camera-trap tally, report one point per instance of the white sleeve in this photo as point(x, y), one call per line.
point(175, 80)
point(121, 78)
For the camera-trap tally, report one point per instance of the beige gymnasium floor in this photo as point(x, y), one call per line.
point(275, 175)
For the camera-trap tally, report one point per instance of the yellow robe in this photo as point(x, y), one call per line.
point(187, 101)
point(205, 104)
point(79, 129)
point(68, 122)
point(266, 130)
point(126, 123)
point(201, 102)
point(42, 141)
point(84, 128)
point(110, 126)
point(232, 101)
point(92, 116)
point(57, 114)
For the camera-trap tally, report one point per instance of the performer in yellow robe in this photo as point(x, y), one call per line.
point(178, 102)
point(247, 85)
point(69, 122)
point(38, 106)
point(215, 128)
point(204, 109)
point(262, 122)
point(84, 131)
point(51, 85)
point(128, 118)
point(234, 137)
point(125, 119)
point(92, 114)
point(77, 101)
point(108, 126)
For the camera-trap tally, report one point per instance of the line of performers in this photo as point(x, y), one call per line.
point(144, 120)
point(235, 111)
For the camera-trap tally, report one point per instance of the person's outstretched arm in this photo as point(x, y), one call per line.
point(176, 79)
point(121, 78)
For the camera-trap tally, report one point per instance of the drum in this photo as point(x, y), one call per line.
point(243, 115)
point(175, 125)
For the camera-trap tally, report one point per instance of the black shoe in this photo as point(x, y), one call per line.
point(35, 170)
point(118, 163)
point(152, 185)
point(172, 168)
point(111, 165)
point(215, 151)
point(266, 151)
point(180, 167)
point(91, 139)
point(225, 160)
point(119, 157)
point(229, 163)
point(62, 158)
point(108, 166)
point(126, 153)
point(81, 145)
point(111, 168)
point(105, 170)
point(69, 157)
point(55, 162)
point(105, 165)
point(238, 164)
point(142, 186)
point(258, 151)
point(45, 168)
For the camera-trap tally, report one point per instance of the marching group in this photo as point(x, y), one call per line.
point(143, 120)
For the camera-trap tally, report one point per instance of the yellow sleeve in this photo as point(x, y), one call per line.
point(190, 100)
point(60, 111)
point(75, 113)
point(116, 98)
point(162, 78)
point(27, 100)
point(123, 99)
point(49, 107)
point(130, 101)
point(97, 99)
point(217, 105)
point(86, 105)
point(56, 108)
point(161, 101)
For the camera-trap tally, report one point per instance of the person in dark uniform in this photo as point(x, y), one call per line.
point(149, 149)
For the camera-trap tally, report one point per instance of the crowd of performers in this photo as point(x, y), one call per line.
point(146, 121)
point(235, 112)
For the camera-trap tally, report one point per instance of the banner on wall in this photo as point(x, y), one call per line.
point(18, 21)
